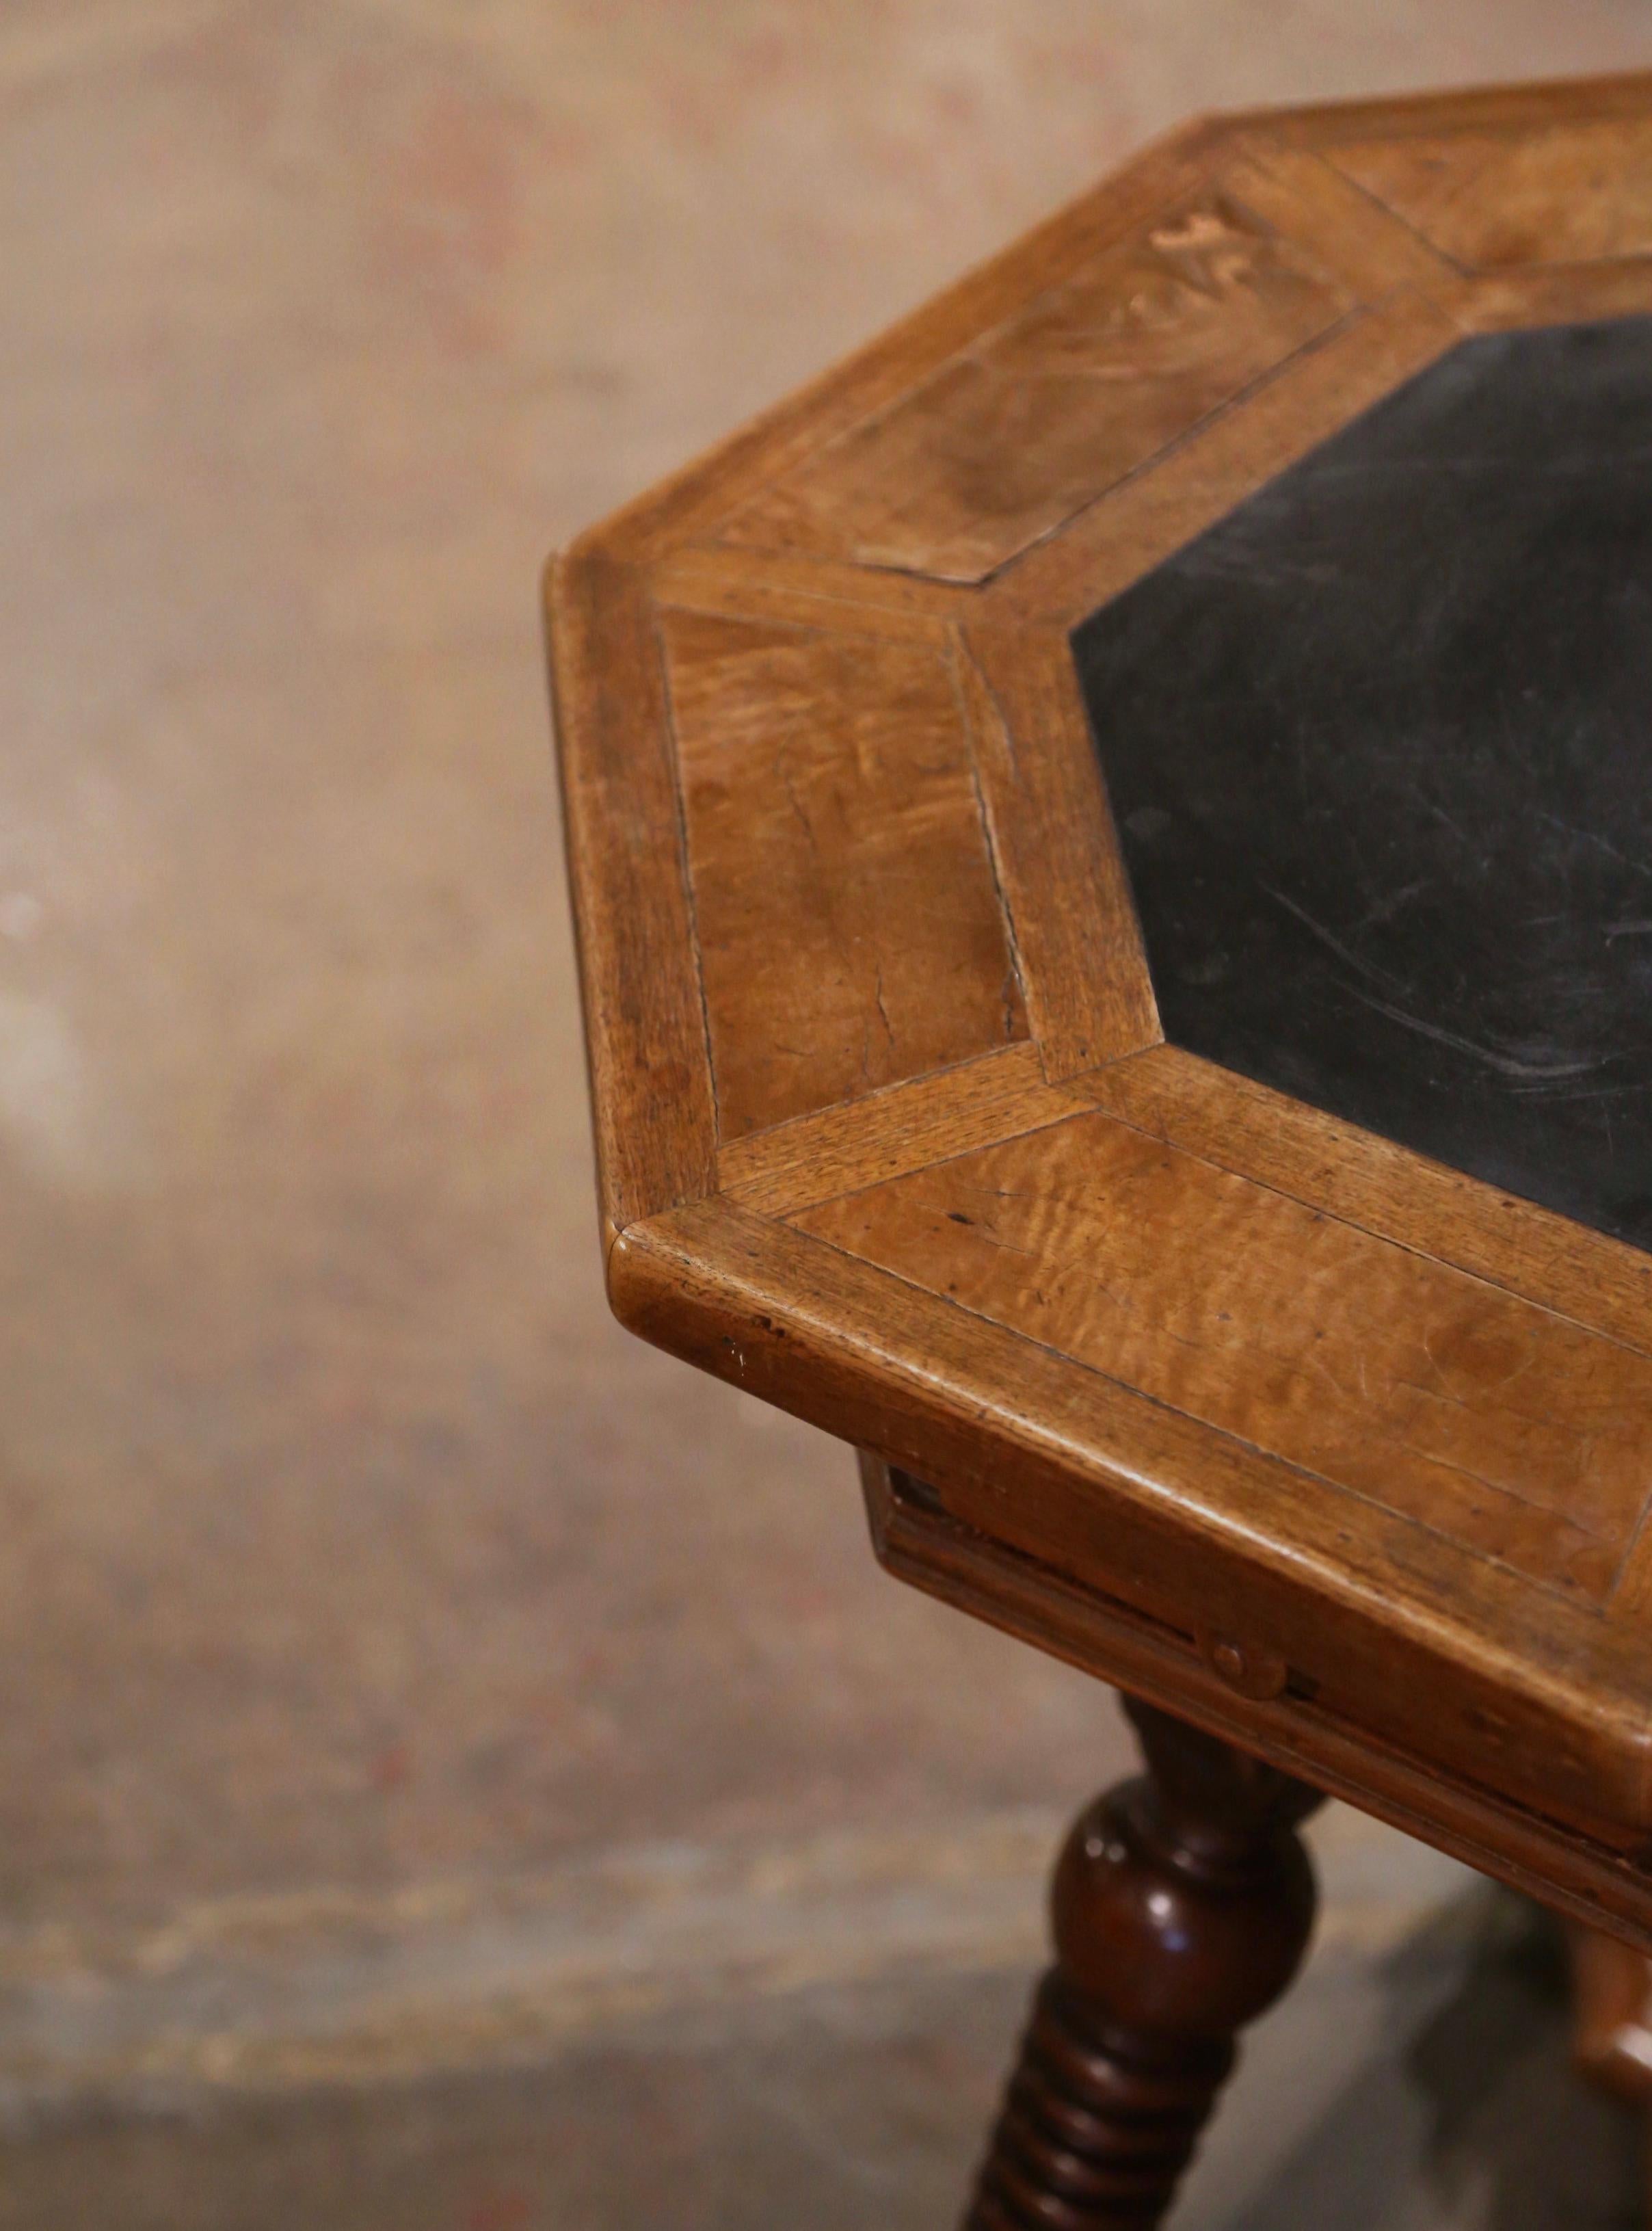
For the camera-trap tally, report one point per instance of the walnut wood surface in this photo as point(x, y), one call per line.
point(1181, 1907)
point(1491, 198)
point(1611, 1986)
point(1612, 2022)
point(1309, 396)
point(904, 1128)
point(1003, 443)
point(1191, 1670)
point(1395, 1629)
point(885, 1132)
point(1062, 879)
point(1389, 1377)
point(699, 501)
point(652, 1095)
point(1363, 1180)
point(840, 877)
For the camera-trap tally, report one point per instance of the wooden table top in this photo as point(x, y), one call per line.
point(1112, 845)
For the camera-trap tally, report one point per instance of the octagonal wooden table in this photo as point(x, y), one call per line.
point(1112, 845)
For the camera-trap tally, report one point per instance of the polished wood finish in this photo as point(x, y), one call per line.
point(1403, 1385)
point(1362, 1180)
point(652, 1094)
point(1309, 397)
point(1003, 443)
point(1612, 2022)
point(854, 938)
point(887, 1134)
point(1059, 869)
point(1200, 1670)
point(1612, 2032)
point(838, 863)
point(1181, 1906)
point(1493, 199)
point(1326, 1449)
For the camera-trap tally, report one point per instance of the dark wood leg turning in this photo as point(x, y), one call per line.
point(1181, 1903)
point(1612, 2022)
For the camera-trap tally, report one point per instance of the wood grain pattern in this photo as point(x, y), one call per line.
point(1529, 106)
point(808, 592)
point(1085, 384)
point(1199, 1378)
point(1353, 1174)
point(651, 1086)
point(695, 502)
point(904, 1127)
point(850, 932)
point(1131, 530)
point(1555, 294)
point(1397, 1628)
point(1082, 968)
point(1306, 199)
point(1507, 1430)
point(1575, 191)
point(1632, 1598)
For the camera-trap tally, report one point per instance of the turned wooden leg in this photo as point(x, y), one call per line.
point(1612, 2014)
point(1612, 1989)
point(1181, 1903)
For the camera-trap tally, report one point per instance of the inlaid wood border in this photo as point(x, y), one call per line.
point(688, 506)
point(1520, 107)
point(1083, 967)
point(1128, 532)
point(1361, 1178)
point(653, 1100)
point(904, 1127)
point(1522, 1725)
point(1053, 1461)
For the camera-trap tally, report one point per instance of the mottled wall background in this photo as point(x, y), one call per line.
point(359, 1584)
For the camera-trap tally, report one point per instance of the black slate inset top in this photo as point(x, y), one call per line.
point(1379, 745)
